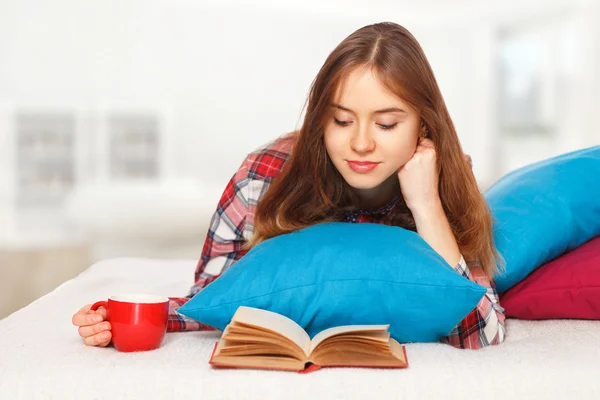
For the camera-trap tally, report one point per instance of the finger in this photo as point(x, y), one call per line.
point(427, 143)
point(425, 149)
point(86, 318)
point(87, 331)
point(101, 311)
point(101, 339)
point(78, 317)
point(86, 308)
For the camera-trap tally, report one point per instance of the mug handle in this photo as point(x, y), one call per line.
point(99, 304)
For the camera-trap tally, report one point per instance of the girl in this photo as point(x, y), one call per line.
point(377, 145)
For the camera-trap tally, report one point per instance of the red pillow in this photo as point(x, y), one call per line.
point(566, 287)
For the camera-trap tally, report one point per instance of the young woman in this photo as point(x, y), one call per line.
point(377, 145)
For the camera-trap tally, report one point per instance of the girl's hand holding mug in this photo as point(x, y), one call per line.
point(93, 326)
point(136, 322)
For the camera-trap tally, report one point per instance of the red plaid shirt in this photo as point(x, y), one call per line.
point(233, 223)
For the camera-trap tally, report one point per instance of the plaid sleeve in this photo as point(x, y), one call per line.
point(484, 326)
point(222, 247)
point(179, 322)
point(232, 223)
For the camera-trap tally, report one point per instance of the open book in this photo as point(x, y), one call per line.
point(263, 339)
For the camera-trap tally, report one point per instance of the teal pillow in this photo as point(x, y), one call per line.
point(545, 210)
point(335, 274)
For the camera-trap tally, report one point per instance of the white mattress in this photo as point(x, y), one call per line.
point(41, 356)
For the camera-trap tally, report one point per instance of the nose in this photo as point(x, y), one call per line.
point(362, 140)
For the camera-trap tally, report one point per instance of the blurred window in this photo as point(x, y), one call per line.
point(535, 74)
point(134, 146)
point(45, 158)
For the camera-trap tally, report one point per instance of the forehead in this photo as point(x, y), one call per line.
point(362, 90)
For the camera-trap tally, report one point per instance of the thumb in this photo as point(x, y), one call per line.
point(101, 311)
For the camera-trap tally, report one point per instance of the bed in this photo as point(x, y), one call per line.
point(41, 356)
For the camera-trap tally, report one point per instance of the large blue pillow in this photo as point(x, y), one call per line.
point(335, 274)
point(544, 210)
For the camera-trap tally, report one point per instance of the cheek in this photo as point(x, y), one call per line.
point(399, 148)
point(333, 141)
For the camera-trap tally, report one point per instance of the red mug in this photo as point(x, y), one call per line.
point(138, 321)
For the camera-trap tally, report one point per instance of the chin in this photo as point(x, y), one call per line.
point(365, 183)
point(370, 182)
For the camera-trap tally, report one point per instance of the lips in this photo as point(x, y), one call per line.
point(362, 166)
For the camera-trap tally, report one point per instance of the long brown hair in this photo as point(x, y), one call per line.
point(310, 190)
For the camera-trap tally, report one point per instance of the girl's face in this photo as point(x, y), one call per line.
point(371, 135)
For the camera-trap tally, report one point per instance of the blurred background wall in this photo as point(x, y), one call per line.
point(121, 121)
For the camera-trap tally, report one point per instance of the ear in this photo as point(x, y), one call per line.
point(424, 132)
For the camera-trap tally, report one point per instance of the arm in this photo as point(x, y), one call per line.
point(433, 226)
point(419, 182)
point(484, 325)
point(222, 248)
point(233, 222)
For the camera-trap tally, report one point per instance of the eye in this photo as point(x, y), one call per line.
point(341, 123)
point(387, 127)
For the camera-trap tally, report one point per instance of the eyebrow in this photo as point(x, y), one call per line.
point(383, 111)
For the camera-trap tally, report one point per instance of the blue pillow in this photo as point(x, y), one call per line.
point(544, 210)
point(335, 274)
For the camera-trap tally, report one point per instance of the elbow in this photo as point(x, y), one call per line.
point(492, 336)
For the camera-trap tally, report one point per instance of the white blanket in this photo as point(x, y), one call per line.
point(41, 356)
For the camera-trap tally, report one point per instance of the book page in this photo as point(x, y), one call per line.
point(274, 322)
point(263, 362)
point(327, 333)
point(358, 353)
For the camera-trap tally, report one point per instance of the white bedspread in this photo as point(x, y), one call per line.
point(41, 356)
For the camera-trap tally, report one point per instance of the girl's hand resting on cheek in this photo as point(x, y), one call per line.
point(93, 327)
point(419, 178)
